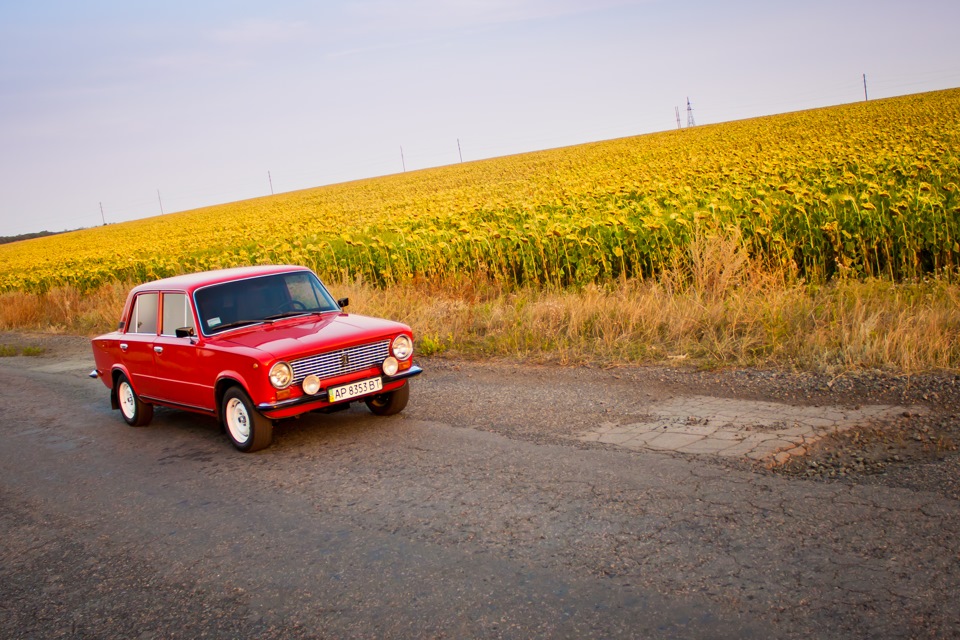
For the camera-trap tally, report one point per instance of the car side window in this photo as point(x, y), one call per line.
point(176, 314)
point(144, 316)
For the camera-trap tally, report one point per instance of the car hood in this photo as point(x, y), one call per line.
point(288, 339)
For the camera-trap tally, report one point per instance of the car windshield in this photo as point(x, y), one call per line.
point(262, 299)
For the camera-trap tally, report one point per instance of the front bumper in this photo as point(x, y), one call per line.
point(322, 394)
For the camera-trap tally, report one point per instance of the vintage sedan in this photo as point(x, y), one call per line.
point(250, 346)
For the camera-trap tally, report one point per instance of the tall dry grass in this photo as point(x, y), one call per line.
point(64, 310)
point(724, 310)
point(719, 308)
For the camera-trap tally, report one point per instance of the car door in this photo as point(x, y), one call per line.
point(182, 377)
point(136, 345)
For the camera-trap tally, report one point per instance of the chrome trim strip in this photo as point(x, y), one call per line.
point(179, 405)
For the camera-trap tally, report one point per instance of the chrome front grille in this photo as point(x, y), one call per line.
point(342, 362)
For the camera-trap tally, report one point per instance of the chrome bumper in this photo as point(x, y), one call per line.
point(322, 394)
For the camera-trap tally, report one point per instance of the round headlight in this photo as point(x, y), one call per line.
point(402, 347)
point(311, 384)
point(281, 375)
point(390, 366)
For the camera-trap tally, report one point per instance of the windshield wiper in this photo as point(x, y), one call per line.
point(234, 324)
point(289, 314)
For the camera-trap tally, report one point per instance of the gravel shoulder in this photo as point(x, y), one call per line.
point(916, 450)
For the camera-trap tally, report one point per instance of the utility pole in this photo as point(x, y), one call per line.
point(459, 151)
point(270, 178)
point(865, 98)
point(690, 122)
point(677, 110)
point(101, 215)
point(402, 161)
point(160, 201)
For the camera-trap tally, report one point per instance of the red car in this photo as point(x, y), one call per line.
point(250, 346)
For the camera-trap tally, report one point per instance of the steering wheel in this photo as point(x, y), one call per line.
point(291, 305)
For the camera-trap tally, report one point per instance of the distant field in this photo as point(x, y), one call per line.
point(867, 189)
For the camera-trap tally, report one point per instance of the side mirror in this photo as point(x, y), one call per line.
point(121, 325)
point(185, 332)
point(343, 302)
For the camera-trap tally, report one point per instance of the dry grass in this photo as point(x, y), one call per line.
point(723, 309)
point(64, 310)
point(907, 328)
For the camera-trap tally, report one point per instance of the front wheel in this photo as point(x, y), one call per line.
point(248, 430)
point(135, 411)
point(390, 403)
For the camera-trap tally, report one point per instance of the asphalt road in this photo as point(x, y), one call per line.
point(474, 514)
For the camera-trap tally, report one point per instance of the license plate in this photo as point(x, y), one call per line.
point(354, 389)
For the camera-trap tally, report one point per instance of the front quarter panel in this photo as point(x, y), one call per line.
point(240, 365)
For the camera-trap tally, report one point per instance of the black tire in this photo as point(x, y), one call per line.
point(388, 404)
point(135, 411)
point(248, 430)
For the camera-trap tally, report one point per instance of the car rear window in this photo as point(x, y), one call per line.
point(144, 316)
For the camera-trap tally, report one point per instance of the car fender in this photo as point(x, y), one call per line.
point(228, 379)
point(114, 374)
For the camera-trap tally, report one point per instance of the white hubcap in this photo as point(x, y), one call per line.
point(238, 421)
point(128, 403)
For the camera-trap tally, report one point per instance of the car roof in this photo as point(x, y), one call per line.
point(192, 281)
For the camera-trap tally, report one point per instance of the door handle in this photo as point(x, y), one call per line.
point(124, 347)
point(158, 349)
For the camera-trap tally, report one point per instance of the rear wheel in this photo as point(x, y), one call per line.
point(135, 411)
point(390, 403)
point(248, 430)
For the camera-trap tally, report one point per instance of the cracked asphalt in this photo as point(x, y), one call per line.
point(479, 512)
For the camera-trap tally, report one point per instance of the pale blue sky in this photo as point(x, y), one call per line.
point(108, 101)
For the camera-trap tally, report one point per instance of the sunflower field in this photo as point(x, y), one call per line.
point(860, 190)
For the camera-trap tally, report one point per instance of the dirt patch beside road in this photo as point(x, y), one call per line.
point(912, 442)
